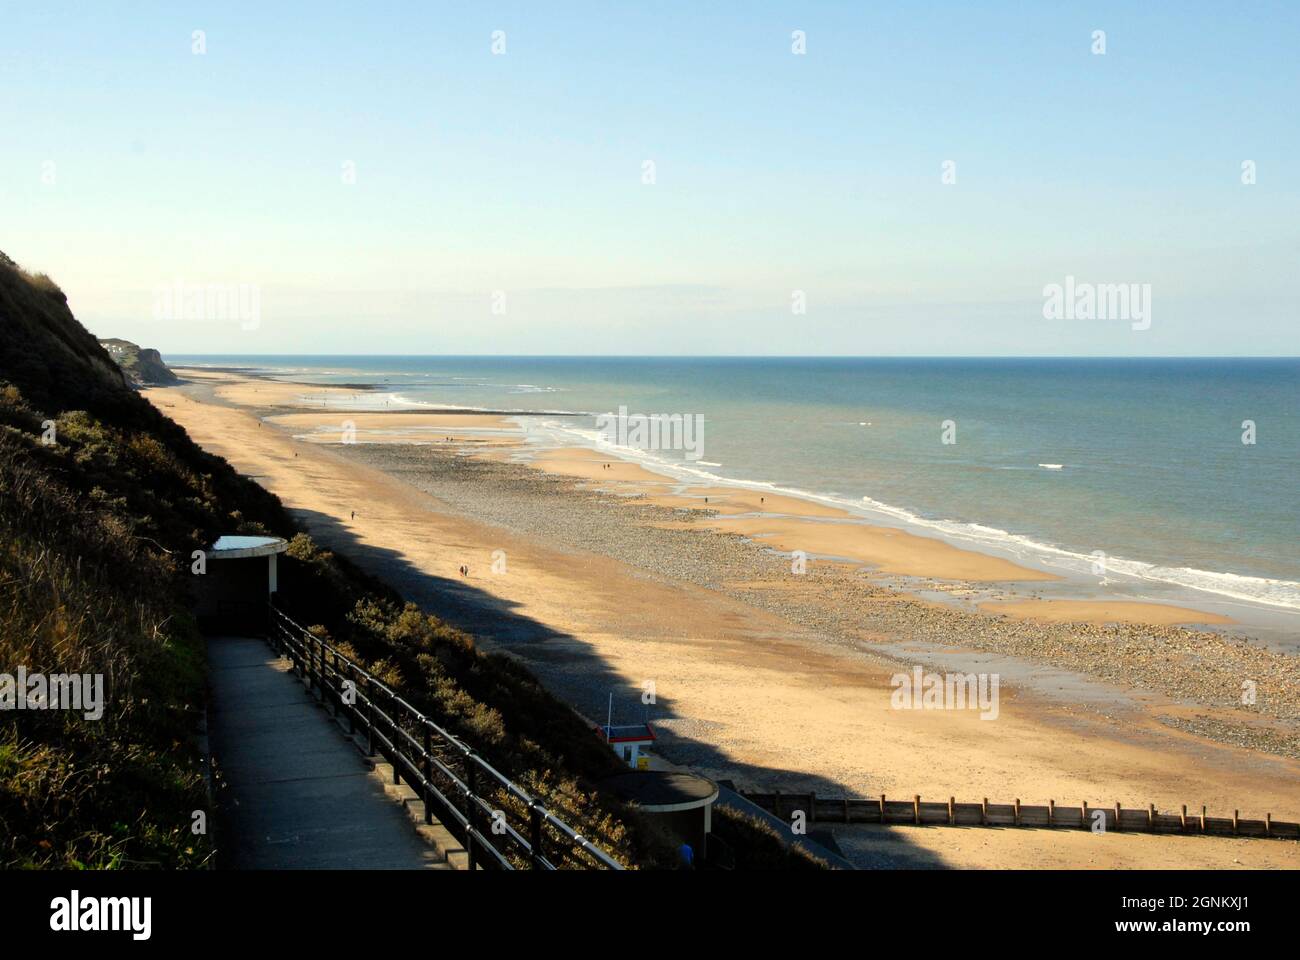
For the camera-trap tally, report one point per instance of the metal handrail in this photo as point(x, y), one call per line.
point(413, 758)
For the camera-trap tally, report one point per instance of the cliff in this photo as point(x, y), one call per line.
point(140, 364)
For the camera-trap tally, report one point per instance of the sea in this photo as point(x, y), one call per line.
point(1174, 480)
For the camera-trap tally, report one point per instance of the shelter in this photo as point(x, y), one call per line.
point(240, 574)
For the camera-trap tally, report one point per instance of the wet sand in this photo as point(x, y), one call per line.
point(886, 549)
point(1102, 611)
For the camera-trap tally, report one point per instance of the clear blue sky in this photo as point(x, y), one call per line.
point(522, 173)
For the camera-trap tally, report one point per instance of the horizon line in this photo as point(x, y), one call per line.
point(766, 356)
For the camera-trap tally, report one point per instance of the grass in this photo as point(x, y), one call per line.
point(83, 591)
point(757, 846)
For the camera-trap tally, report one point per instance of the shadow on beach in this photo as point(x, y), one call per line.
point(574, 671)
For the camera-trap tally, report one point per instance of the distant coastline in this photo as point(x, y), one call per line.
point(1268, 604)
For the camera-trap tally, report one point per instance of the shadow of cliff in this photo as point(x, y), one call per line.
point(574, 670)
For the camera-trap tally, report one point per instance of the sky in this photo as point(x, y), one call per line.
point(657, 179)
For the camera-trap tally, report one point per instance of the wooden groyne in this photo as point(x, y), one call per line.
point(950, 813)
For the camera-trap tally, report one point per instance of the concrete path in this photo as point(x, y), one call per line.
point(295, 793)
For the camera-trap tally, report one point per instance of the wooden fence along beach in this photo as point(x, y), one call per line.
point(916, 812)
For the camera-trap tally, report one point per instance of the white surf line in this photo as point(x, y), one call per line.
point(982, 539)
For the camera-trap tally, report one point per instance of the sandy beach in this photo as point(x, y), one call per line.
point(609, 577)
point(1103, 611)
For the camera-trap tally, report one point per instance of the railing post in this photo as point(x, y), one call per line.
point(351, 708)
point(393, 738)
point(428, 774)
point(535, 833)
point(326, 691)
point(286, 647)
point(471, 847)
point(427, 788)
point(325, 680)
point(370, 720)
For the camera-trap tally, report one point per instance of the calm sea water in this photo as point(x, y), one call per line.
point(1153, 471)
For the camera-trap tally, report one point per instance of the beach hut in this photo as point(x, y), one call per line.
point(629, 741)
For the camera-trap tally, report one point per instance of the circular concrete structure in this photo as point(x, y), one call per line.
point(682, 803)
point(238, 547)
point(662, 791)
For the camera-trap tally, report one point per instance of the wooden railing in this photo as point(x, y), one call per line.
point(499, 823)
point(917, 812)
